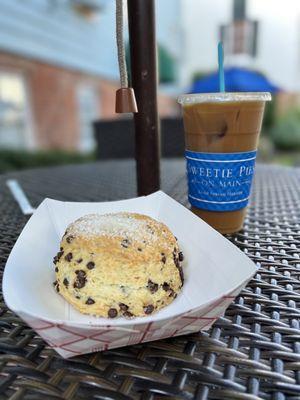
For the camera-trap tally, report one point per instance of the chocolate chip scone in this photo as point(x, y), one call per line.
point(121, 264)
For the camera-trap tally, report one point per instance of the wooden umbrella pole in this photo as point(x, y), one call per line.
point(141, 20)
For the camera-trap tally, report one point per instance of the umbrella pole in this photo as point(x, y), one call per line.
point(141, 20)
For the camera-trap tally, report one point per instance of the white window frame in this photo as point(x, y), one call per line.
point(81, 140)
point(30, 137)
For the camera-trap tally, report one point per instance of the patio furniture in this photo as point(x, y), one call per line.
point(253, 352)
point(115, 138)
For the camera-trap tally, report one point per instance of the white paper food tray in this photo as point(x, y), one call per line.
point(215, 272)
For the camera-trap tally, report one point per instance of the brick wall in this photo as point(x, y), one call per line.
point(53, 101)
point(54, 107)
point(52, 96)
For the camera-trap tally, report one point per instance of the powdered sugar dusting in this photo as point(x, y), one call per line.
point(123, 225)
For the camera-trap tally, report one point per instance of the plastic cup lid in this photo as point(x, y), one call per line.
point(223, 97)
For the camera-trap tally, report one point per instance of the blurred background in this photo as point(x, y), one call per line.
point(59, 74)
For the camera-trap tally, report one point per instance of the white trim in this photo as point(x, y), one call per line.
point(219, 202)
point(201, 159)
point(31, 138)
point(29, 128)
point(86, 141)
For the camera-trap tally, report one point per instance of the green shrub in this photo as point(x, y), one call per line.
point(11, 160)
point(285, 132)
point(269, 115)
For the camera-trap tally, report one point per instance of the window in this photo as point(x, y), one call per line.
point(15, 129)
point(88, 109)
point(240, 37)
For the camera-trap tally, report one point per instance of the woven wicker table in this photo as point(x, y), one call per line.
point(251, 353)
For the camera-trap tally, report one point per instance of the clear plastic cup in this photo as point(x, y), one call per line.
point(221, 137)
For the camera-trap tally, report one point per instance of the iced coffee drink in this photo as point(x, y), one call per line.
point(221, 136)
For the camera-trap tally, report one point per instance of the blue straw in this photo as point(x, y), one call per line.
point(221, 67)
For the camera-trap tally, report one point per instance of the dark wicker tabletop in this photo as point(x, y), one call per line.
point(251, 353)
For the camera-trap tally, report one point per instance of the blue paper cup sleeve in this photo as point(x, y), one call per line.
point(220, 181)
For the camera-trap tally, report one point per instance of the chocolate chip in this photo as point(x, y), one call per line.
point(171, 293)
point(69, 239)
point(57, 257)
point(69, 257)
point(176, 260)
point(153, 287)
point(80, 279)
point(125, 243)
point(176, 238)
point(66, 282)
point(79, 283)
point(79, 260)
point(139, 249)
point(112, 313)
point(123, 307)
point(77, 297)
point(61, 249)
point(166, 286)
point(80, 273)
point(181, 274)
point(163, 259)
point(56, 269)
point(128, 314)
point(54, 283)
point(148, 309)
point(180, 256)
point(90, 265)
point(90, 301)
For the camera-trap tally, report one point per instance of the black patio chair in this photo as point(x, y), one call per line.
point(115, 138)
point(172, 137)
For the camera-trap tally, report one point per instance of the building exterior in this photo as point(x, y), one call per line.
point(56, 73)
point(58, 69)
point(58, 61)
point(263, 35)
